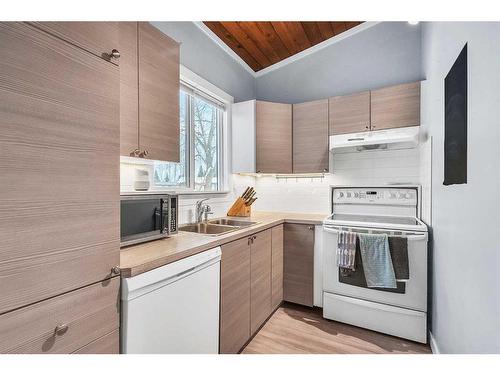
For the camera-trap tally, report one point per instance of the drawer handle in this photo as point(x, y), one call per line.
point(61, 329)
point(115, 54)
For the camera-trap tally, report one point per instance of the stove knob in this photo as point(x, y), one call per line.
point(356, 195)
point(341, 194)
point(401, 195)
point(407, 195)
point(348, 195)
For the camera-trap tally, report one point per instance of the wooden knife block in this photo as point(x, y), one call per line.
point(240, 209)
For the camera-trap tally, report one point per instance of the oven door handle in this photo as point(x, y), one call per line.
point(411, 237)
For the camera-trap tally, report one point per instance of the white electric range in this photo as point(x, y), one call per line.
point(394, 210)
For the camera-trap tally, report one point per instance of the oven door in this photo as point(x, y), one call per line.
point(143, 219)
point(415, 294)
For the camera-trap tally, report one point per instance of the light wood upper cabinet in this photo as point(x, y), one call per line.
point(235, 296)
point(260, 279)
point(298, 264)
point(277, 266)
point(310, 137)
point(349, 113)
point(129, 88)
point(149, 93)
point(158, 94)
point(59, 207)
point(98, 38)
point(395, 106)
point(273, 137)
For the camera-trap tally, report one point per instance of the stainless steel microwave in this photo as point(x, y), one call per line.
point(147, 217)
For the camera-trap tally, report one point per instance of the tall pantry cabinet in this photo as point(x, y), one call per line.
point(59, 187)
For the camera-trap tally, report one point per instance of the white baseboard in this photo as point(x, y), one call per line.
point(433, 343)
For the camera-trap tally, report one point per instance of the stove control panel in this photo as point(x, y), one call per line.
point(385, 196)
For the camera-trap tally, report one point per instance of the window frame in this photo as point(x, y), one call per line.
point(190, 79)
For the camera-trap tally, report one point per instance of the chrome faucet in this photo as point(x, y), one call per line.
point(202, 209)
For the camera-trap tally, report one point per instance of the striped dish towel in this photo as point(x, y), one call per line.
point(346, 250)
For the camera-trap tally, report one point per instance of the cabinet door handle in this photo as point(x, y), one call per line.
point(143, 154)
point(135, 153)
point(367, 127)
point(311, 227)
point(61, 329)
point(115, 270)
point(115, 54)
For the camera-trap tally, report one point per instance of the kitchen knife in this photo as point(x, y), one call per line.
point(245, 192)
point(250, 202)
point(249, 197)
point(249, 193)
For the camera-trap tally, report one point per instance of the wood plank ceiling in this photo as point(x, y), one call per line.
point(261, 44)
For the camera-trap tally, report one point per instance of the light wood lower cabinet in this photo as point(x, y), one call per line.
point(65, 323)
point(251, 286)
point(107, 344)
point(277, 267)
point(298, 263)
point(235, 296)
point(260, 279)
point(59, 185)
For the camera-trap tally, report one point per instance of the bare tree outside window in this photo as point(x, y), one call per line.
point(175, 174)
point(205, 142)
point(200, 124)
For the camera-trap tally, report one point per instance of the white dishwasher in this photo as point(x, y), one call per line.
point(173, 309)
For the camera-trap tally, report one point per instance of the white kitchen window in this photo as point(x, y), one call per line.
point(200, 168)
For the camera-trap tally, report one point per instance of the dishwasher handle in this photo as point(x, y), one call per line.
point(189, 270)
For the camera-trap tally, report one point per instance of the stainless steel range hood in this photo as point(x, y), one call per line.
point(379, 139)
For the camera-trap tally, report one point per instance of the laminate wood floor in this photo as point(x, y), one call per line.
point(295, 329)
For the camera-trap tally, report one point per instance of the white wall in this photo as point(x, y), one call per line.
point(359, 168)
point(465, 218)
point(382, 55)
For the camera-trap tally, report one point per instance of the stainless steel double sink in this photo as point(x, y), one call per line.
point(216, 227)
